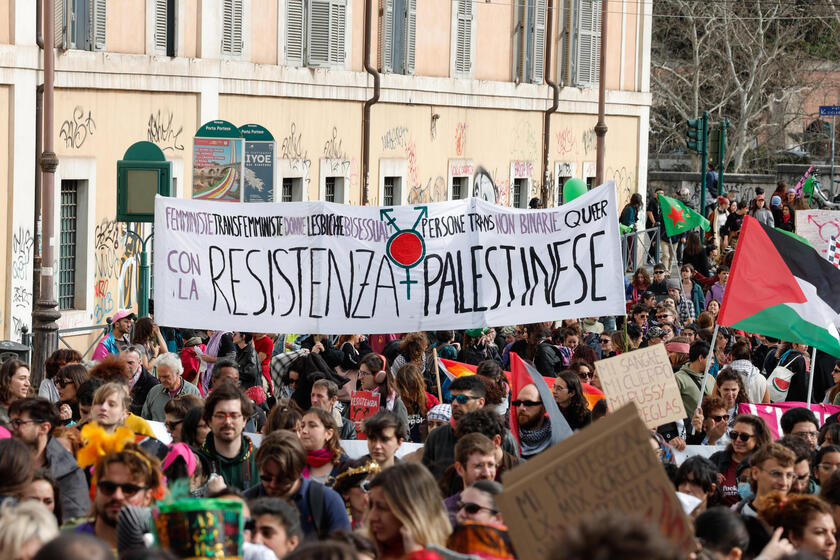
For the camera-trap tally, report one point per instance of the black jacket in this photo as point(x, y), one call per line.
point(141, 390)
point(248, 365)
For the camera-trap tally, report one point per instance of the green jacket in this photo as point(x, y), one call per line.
point(689, 383)
point(240, 471)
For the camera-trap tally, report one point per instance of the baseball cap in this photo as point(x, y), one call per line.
point(122, 314)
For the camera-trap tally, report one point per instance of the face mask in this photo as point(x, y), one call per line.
point(744, 490)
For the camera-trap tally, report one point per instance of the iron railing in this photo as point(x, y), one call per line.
point(640, 248)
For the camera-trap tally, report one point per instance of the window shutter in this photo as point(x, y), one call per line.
point(60, 9)
point(538, 42)
point(232, 27)
point(386, 42)
point(318, 37)
point(294, 32)
point(463, 42)
point(589, 42)
point(160, 26)
point(98, 22)
point(338, 17)
point(410, 34)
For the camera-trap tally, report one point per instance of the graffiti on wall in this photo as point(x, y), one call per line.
point(292, 150)
point(625, 183)
point(460, 138)
point(163, 132)
point(566, 141)
point(395, 138)
point(75, 130)
point(434, 191)
point(589, 141)
point(117, 248)
point(524, 144)
point(339, 163)
point(23, 246)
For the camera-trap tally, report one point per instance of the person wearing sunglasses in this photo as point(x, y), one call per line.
point(120, 329)
point(468, 394)
point(534, 425)
point(478, 503)
point(475, 459)
point(748, 433)
point(281, 459)
point(68, 380)
point(128, 477)
point(710, 422)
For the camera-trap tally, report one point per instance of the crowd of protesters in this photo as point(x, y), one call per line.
point(263, 418)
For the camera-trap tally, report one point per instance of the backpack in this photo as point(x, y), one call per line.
point(315, 500)
point(779, 380)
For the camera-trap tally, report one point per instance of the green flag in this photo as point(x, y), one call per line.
point(680, 218)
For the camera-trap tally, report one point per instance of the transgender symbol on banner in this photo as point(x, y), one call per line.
point(406, 248)
point(832, 255)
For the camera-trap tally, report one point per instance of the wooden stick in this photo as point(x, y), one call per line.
point(437, 374)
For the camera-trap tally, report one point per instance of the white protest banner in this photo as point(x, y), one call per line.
point(645, 377)
point(818, 226)
point(318, 267)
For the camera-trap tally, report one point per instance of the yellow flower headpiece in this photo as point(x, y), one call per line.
point(98, 443)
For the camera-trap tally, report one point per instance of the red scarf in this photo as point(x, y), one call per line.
point(319, 457)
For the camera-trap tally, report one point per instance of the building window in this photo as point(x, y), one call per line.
point(529, 41)
point(398, 36)
point(588, 51)
point(464, 37)
point(316, 32)
point(459, 187)
point(232, 27)
point(67, 244)
point(391, 191)
point(292, 189)
point(80, 24)
point(287, 190)
point(519, 194)
point(590, 183)
point(334, 189)
point(165, 27)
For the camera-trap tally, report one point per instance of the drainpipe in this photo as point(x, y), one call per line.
point(555, 103)
point(601, 127)
point(366, 113)
point(39, 122)
point(46, 312)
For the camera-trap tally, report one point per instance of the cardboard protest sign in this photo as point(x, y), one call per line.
point(817, 226)
point(644, 376)
point(319, 267)
point(607, 465)
point(363, 404)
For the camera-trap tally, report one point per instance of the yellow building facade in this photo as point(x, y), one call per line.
point(460, 111)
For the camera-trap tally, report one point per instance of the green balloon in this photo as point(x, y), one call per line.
point(573, 188)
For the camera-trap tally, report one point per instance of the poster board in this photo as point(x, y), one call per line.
point(818, 226)
point(260, 163)
point(644, 376)
point(363, 404)
point(607, 465)
point(217, 162)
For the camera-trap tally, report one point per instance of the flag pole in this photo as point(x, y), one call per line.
point(705, 372)
point(811, 374)
point(437, 374)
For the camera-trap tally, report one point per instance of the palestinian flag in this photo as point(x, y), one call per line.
point(679, 218)
point(781, 287)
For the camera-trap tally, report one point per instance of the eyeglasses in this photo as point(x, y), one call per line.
point(221, 416)
point(63, 382)
point(17, 422)
point(128, 489)
point(586, 374)
point(663, 316)
point(172, 425)
point(128, 348)
point(809, 435)
point(464, 399)
point(733, 435)
point(518, 403)
point(829, 466)
point(722, 418)
point(836, 369)
point(659, 272)
point(269, 479)
point(642, 315)
point(473, 508)
point(606, 340)
point(779, 474)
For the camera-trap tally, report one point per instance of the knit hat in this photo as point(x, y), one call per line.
point(722, 200)
point(440, 412)
point(775, 200)
point(672, 284)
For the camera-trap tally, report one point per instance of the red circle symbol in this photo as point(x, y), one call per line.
point(406, 248)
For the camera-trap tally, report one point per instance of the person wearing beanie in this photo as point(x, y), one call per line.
point(776, 208)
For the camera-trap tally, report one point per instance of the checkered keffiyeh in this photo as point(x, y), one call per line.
point(833, 253)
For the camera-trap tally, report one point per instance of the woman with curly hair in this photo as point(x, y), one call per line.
point(412, 350)
point(412, 390)
point(148, 340)
point(319, 436)
point(805, 520)
point(639, 285)
point(729, 385)
point(568, 393)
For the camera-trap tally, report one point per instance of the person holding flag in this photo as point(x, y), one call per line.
point(678, 219)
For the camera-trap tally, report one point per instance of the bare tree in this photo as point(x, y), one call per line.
point(740, 60)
